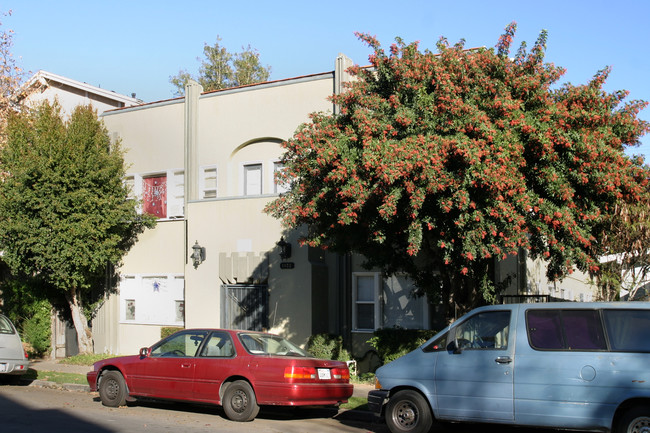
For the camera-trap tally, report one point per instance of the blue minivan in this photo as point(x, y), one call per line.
point(581, 366)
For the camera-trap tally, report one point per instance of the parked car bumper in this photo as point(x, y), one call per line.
point(13, 366)
point(376, 400)
point(91, 376)
point(304, 394)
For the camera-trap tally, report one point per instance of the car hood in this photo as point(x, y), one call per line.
point(119, 360)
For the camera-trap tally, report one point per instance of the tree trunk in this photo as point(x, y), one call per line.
point(84, 336)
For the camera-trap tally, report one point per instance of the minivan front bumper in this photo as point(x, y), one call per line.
point(376, 400)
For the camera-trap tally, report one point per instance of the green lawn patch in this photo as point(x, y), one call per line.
point(356, 403)
point(84, 359)
point(56, 377)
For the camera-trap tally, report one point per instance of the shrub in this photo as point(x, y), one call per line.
point(166, 331)
point(391, 343)
point(36, 329)
point(328, 346)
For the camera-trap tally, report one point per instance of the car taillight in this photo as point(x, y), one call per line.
point(294, 372)
point(341, 373)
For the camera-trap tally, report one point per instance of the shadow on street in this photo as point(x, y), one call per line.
point(18, 418)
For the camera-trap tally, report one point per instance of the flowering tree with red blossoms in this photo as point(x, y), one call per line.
point(437, 165)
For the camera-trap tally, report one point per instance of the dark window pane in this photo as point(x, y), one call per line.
point(544, 329)
point(365, 316)
point(628, 330)
point(583, 330)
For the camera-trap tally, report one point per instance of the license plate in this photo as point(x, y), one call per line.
point(3, 368)
point(324, 374)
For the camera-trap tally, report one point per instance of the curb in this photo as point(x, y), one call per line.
point(53, 385)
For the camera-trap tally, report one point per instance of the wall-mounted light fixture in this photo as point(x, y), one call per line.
point(285, 249)
point(198, 254)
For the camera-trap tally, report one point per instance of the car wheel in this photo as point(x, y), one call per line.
point(408, 411)
point(112, 389)
point(635, 420)
point(239, 402)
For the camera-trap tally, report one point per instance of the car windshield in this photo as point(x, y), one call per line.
point(267, 344)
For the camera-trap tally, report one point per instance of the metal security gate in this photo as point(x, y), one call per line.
point(245, 307)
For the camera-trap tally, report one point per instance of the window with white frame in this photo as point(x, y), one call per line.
point(400, 307)
point(253, 179)
point(162, 193)
point(278, 188)
point(159, 298)
point(365, 295)
point(384, 303)
point(208, 182)
point(129, 312)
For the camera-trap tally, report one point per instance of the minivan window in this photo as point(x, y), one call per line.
point(565, 330)
point(627, 330)
point(5, 326)
point(438, 344)
point(487, 330)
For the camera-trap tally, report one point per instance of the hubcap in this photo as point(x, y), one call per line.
point(406, 415)
point(640, 425)
point(239, 401)
point(112, 389)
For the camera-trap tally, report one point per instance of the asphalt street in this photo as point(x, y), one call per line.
point(37, 409)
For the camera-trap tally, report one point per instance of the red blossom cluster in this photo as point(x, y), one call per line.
point(461, 156)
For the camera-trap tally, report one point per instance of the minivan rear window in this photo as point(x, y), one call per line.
point(565, 330)
point(628, 330)
point(5, 326)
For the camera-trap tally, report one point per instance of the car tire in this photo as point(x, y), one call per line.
point(239, 402)
point(112, 389)
point(408, 412)
point(635, 420)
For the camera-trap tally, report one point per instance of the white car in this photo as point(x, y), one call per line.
point(13, 358)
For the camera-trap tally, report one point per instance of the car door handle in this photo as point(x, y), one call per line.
point(503, 360)
point(186, 365)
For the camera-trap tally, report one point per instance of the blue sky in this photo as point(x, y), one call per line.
point(135, 46)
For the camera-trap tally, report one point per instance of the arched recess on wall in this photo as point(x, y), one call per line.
point(255, 141)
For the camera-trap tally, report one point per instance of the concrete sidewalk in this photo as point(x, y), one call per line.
point(55, 365)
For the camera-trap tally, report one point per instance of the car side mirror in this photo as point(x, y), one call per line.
point(144, 352)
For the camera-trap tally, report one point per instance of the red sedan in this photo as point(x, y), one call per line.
point(239, 370)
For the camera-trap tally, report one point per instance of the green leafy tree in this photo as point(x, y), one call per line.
point(25, 303)
point(438, 164)
point(626, 265)
point(247, 68)
point(65, 209)
point(221, 69)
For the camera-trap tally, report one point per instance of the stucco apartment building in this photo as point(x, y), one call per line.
point(204, 164)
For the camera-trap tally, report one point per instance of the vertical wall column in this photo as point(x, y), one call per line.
point(192, 92)
point(341, 75)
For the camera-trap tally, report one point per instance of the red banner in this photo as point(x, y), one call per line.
point(154, 196)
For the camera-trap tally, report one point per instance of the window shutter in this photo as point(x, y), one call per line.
point(176, 194)
point(208, 182)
